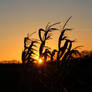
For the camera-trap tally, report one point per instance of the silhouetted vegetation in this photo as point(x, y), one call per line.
point(28, 50)
point(74, 76)
point(65, 73)
point(70, 71)
point(64, 53)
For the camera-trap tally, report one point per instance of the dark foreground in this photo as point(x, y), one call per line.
point(75, 77)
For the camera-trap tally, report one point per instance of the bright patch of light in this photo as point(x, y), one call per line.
point(40, 60)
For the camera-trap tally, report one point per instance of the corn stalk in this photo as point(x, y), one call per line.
point(61, 50)
point(29, 51)
point(46, 36)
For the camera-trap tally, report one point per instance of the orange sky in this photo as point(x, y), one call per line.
point(19, 17)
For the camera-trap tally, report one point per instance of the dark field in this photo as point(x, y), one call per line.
point(69, 77)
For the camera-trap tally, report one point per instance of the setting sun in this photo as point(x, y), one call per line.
point(40, 60)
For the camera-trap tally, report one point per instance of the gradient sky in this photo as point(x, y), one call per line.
point(19, 17)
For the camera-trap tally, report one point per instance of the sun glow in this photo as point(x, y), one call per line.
point(40, 60)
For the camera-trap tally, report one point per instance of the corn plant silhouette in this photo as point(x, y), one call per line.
point(63, 54)
point(46, 36)
point(52, 74)
point(29, 50)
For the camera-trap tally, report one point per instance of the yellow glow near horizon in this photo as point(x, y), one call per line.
point(27, 17)
point(40, 61)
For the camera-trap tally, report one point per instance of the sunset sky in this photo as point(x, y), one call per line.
point(19, 17)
